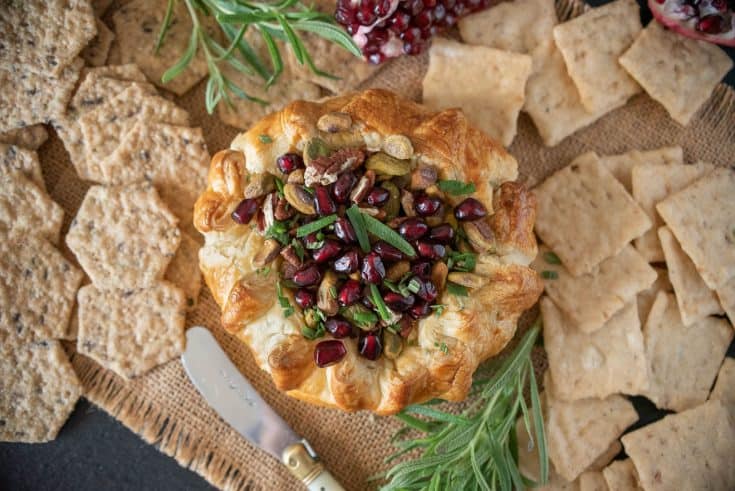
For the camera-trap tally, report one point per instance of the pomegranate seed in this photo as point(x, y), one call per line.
point(329, 250)
point(353, 28)
point(339, 328)
point(329, 352)
point(426, 205)
point(711, 24)
point(304, 298)
point(449, 4)
point(245, 211)
point(376, 58)
point(431, 251)
point(387, 252)
point(382, 8)
point(345, 16)
point(349, 293)
point(459, 9)
point(413, 7)
point(400, 22)
point(450, 19)
point(420, 310)
point(422, 269)
point(371, 48)
point(373, 270)
point(411, 35)
point(423, 19)
point(414, 48)
point(365, 15)
point(369, 345)
point(343, 187)
point(344, 231)
point(398, 302)
point(377, 196)
point(323, 201)
point(439, 12)
point(429, 3)
point(413, 228)
point(427, 291)
point(378, 36)
point(289, 162)
point(472, 4)
point(442, 233)
point(308, 276)
point(348, 263)
point(469, 209)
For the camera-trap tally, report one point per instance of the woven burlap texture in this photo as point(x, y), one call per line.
point(167, 411)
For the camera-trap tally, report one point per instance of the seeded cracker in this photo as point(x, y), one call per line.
point(26, 209)
point(689, 450)
point(647, 297)
point(492, 90)
point(30, 137)
point(653, 183)
point(591, 45)
point(38, 391)
point(622, 165)
point(574, 214)
point(724, 390)
point(95, 54)
point(622, 476)
point(131, 331)
point(696, 301)
point(592, 481)
point(702, 217)
point(591, 299)
point(678, 72)
point(726, 294)
point(123, 236)
point(35, 98)
point(100, 6)
point(44, 36)
point(183, 271)
point(683, 360)
point(26, 162)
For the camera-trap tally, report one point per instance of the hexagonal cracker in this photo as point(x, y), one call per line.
point(124, 236)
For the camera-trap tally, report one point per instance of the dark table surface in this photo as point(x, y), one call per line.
point(94, 451)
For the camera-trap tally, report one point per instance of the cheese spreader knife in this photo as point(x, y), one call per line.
point(237, 402)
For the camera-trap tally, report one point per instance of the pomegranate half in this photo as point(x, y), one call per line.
point(707, 20)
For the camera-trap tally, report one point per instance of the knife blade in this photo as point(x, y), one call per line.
point(230, 394)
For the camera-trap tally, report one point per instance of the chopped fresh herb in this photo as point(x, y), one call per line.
point(442, 347)
point(288, 309)
point(358, 223)
point(278, 231)
point(265, 270)
point(319, 224)
point(462, 261)
point(379, 303)
point(549, 275)
point(265, 139)
point(551, 258)
point(456, 188)
point(315, 245)
point(279, 187)
point(457, 290)
point(365, 317)
point(394, 328)
point(391, 286)
point(333, 291)
point(384, 232)
point(309, 190)
point(313, 333)
point(298, 248)
point(319, 236)
point(414, 285)
point(438, 309)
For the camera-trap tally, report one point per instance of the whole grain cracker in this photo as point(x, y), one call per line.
point(44, 36)
point(726, 295)
point(95, 54)
point(702, 217)
point(123, 236)
point(647, 297)
point(137, 25)
point(575, 214)
point(683, 361)
point(724, 390)
point(30, 137)
point(579, 432)
point(38, 391)
point(183, 271)
point(37, 290)
point(696, 301)
point(492, 90)
point(606, 457)
point(622, 476)
point(622, 165)
point(653, 183)
point(591, 299)
point(678, 72)
point(26, 209)
point(591, 45)
point(609, 361)
point(131, 331)
point(21, 160)
point(592, 481)
point(689, 450)
point(35, 98)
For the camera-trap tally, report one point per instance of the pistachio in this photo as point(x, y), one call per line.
point(315, 148)
point(423, 177)
point(259, 185)
point(397, 270)
point(470, 280)
point(439, 274)
point(363, 187)
point(370, 210)
point(343, 139)
point(311, 318)
point(480, 236)
point(326, 296)
point(382, 163)
point(296, 177)
point(299, 198)
point(392, 345)
point(266, 254)
point(393, 205)
point(334, 122)
point(398, 146)
point(356, 313)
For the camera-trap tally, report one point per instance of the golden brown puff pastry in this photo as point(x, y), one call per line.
point(447, 349)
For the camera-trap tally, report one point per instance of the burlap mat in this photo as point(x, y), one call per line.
point(166, 410)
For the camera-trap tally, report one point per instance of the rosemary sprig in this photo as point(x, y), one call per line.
point(277, 21)
point(476, 449)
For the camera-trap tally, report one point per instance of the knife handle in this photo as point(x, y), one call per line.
point(303, 464)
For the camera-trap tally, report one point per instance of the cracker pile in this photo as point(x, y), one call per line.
point(517, 57)
point(639, 267)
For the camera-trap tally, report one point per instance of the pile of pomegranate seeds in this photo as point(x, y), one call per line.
point(388, 28)
point(707, 20)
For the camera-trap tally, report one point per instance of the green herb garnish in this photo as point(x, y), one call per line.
point(283, 301)
point(265, 270)
point(358, 223)
point(365, 318)
point(456, 188)
point(313, 333)
point(319, 224)
point(279, 186)
point(457, 290)
point(442, 347)
point(384, 232)
point(279, 232)
point(551, 258)
point(549, 275)
point(333, 291)
point(438, 309)
point(265, 139)
point(298, 248)
point(462, 261)
point(379, 303)
point(413, 286)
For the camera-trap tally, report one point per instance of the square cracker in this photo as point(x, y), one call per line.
point(30, 137)
point(37, 290)
point(591, 45)
point(95, 54)
point(622, 476)
point(683, 360)
point(689, 450)
point(26, 209)
point(702, 217)
point(183, 270)
point(585, 215)
point(26, 162)
point(724, 390)
point(622, 165)
point(44, 36)
point(696, 301)
point(591, 299)
point(38, 392)
point(492, 90)
point(131, 331)
point(592, 481)
point(598, 364)
point(726, 294)
point(653, 183)
point(123, 236)
point(678, 72)
point(35, 98)
point(579, 432)
point(647, 297)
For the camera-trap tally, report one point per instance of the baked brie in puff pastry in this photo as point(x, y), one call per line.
point(370, 252)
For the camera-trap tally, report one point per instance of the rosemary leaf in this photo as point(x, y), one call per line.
point(384, 232)
point(379, 303)
point(319, 224)
point(357, 219)
point(456, 188)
